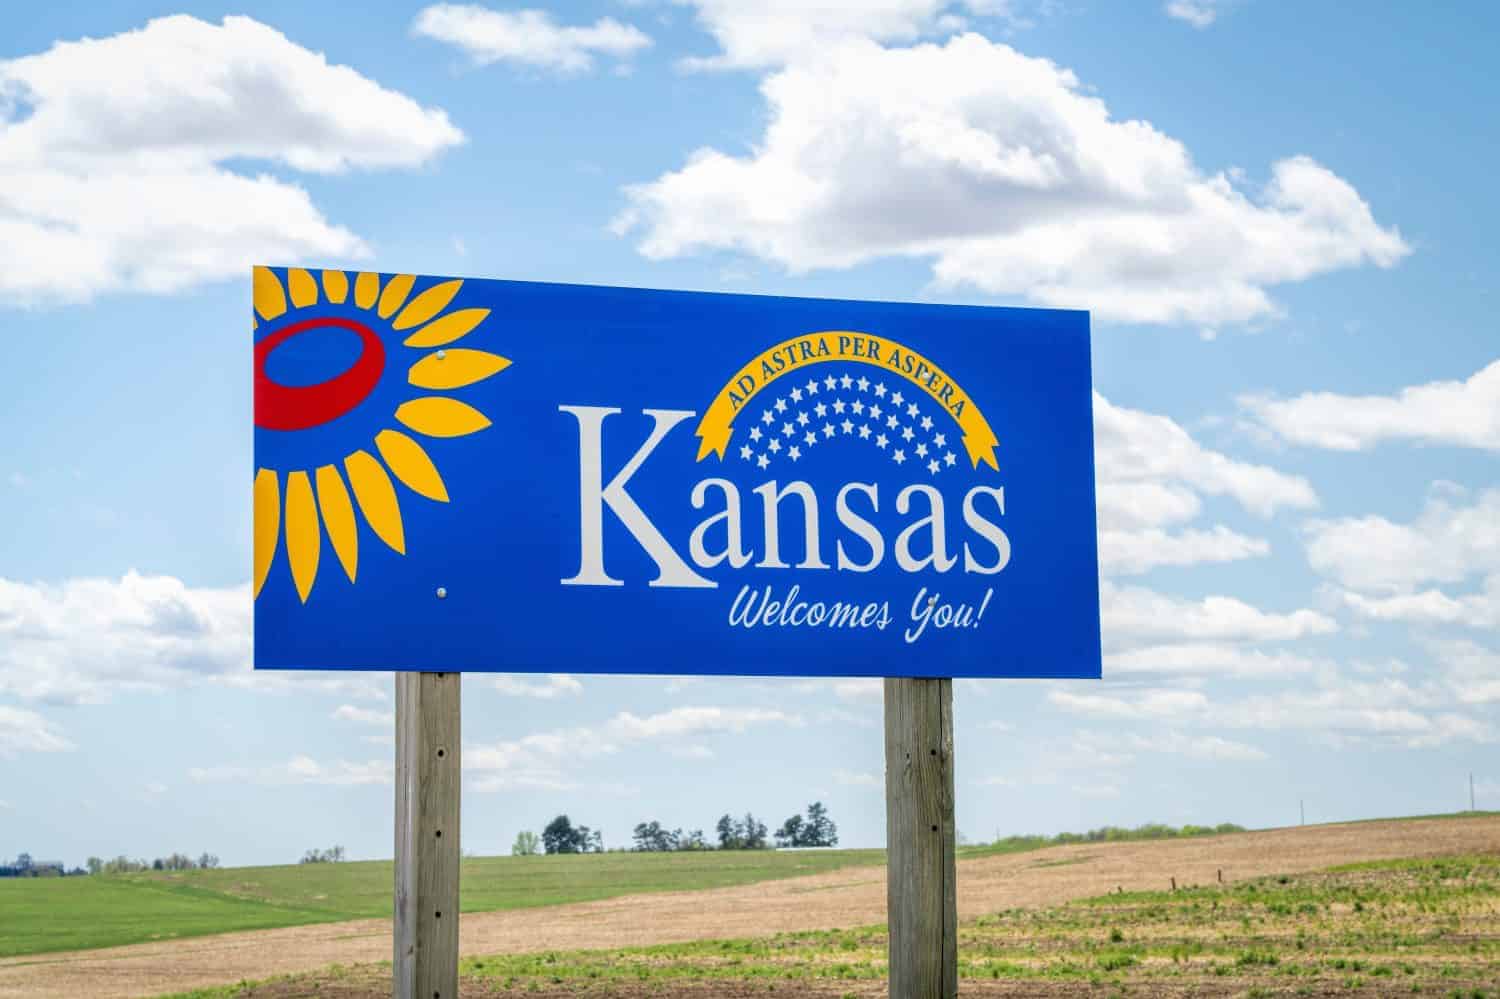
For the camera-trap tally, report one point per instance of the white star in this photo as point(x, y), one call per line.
point(911, 410)
point(830, 382)
point(899, 456)
point(766, 418)
point(892, 422)
point(775, 445)
point(796, 395)
point(838, 405)
point(864, 431)
point(811, 438)
point(846, 381)
point(755, 434)
point(848, 427)
point(940, 440)
point(932, 466)
point(812, 387)
point(746, 452)
point(787, 430)
point(897, 397)
point(762, 461)
point(880, 390)
point(857, 406)
point(794, 452)
point(921, 450)
point(864, 383)
point(906, 433)
point(828, 430)
point(882, 440)
point(802, 419)
point(926, 423)
point(820, 409)
point(948, 458)
point(781, 405)
point(875, 411)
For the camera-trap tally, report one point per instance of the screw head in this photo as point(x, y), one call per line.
point(442, 592)
point(442, 354)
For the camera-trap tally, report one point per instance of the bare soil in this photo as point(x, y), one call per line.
point(851, 897)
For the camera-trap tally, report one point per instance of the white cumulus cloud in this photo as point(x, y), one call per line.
point(1448, 542)
point(23, 731)
point(1457, 413)
point(83, 640)
point(528, 37)
point(1013, 179)
point(1152, 477)
point(1199, 13)
point(105, 186)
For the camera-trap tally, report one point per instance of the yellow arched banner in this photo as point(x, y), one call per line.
point(793, 355)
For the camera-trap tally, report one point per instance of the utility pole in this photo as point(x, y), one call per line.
point(1301, 813)
point(1471, 792)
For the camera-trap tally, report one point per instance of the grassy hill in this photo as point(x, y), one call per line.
point(51, 914)
point(55, 914)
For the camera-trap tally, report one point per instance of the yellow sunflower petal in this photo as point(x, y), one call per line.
point(395, 293)
point(267, 517)
point(338, 517)
point(335, 286)
point(377, 498)
point(303, 539)
point(303, 288)
point(455, 369)
point(437, 416)
point(270, 300)
point(446, 329)
point(411, 464)
point(366, 287)
point(426, 305)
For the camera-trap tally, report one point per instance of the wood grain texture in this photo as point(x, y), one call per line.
point(921, 896)
point(427, 816)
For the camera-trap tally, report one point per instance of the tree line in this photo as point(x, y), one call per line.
point(813, 829)
point(24, 866)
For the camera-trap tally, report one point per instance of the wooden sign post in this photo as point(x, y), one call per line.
point(921, 900)
point(425, 964)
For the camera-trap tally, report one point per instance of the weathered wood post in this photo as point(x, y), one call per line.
point(425, 962)
point(921, 900)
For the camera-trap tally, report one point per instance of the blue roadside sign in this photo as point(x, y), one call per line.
point(470, 475)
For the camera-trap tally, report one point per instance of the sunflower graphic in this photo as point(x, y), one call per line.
point(349, 426)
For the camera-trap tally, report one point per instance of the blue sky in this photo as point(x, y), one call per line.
point(1281, 220)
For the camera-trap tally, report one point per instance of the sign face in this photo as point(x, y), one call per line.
point(493, 475)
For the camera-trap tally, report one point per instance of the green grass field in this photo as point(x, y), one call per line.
point(51, 914)
point(1414, 927)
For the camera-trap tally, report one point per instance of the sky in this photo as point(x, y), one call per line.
point(1279, 217)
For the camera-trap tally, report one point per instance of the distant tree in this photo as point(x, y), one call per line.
point(332, 855)
point(560, 837)
point(821, 830)
point(527, 844)
point(208, 861)
point(157, 865)
point(589, 840)
point(95, 865)
point(729, 833)
point(752, 833)
point(650, 837)
point(23, 862)
point(694, 840)
point(817, 829)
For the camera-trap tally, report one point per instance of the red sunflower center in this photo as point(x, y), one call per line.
point(297, 407)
